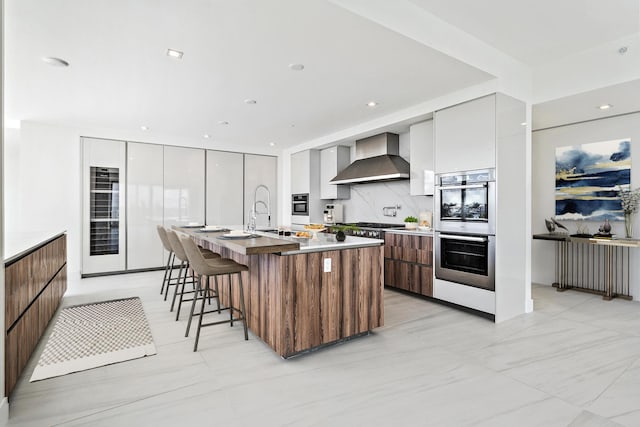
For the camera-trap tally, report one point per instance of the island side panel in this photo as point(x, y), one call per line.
point(320, 308)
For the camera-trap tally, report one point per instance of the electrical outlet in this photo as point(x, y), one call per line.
point(327, 265)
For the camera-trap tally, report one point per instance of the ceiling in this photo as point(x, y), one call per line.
point(120, 77)
point(541, 31)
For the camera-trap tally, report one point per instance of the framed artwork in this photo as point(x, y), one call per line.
point(587, 180)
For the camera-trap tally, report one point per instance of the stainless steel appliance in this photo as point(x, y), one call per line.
point(333, 213)
point(464, 243)
point(466, 259)
point(372, 230)
point(465, 202)
point(377, 159)
point(300, 204)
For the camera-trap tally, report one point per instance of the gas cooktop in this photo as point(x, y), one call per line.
point(373, 225)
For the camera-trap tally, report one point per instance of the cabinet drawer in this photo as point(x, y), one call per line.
point(409, 248)
point(408, 276)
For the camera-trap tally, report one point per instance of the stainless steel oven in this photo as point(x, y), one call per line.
point(466, 259)
point(300, 204)
point(465, 202)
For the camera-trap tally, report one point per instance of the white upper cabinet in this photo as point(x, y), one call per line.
point(465, 136)
point(184, 179)
point(260, 172)
point(145, 198)
point(333, 160)
point(225, 176)
point(421, 156)
point(300, 176)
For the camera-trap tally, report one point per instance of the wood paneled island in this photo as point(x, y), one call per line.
point(293, 304)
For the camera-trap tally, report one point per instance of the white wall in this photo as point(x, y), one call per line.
point(543, 200)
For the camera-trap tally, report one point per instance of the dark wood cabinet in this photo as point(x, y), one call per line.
point(34, 285)
point(408, 262)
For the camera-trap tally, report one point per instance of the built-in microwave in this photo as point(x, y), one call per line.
point(300, 204)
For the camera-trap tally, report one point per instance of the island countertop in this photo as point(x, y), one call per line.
point(267, 243)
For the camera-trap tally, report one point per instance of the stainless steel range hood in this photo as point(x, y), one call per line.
point(377, 159)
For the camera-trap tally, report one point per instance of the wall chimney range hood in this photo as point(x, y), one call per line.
point(377, 159)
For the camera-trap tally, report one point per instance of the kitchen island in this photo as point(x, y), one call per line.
point(301, 294)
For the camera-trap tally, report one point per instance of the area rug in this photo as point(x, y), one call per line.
point(97, 334)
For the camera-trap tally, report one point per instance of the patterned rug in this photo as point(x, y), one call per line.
point(97, 334)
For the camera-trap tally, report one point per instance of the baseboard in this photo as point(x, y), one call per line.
point(4, 411)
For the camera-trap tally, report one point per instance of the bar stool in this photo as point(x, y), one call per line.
point(179, 253)
point(170, 260)
point(214, 267)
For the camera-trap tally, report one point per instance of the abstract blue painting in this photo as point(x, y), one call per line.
point(587, 180)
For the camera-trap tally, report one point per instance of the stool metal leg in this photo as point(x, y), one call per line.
point(184, 282)
point(204, 301)
point(168, 269)
point(193, 305)
point(166, 291)
point(230, 303)
point(193, 283)
point(244, 315)
point(215, 278)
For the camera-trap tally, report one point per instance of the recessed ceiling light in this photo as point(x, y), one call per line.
point(272, 144)
point(523, 124)
point(144, 128)
point(223, 122)
point(55, 62)
point(174, 53)
point(250, 101)
point(206, 136)
point(296, 67)
point(605, 106)
point(372, 104)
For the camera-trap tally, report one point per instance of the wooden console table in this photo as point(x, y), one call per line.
point(594, 265)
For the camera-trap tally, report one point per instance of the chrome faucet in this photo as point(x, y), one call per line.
point(267, 205)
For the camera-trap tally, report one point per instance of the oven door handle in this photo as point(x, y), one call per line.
point(462, 187)
point(466, 238)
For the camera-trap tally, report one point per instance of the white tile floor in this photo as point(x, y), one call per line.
point(575, 361)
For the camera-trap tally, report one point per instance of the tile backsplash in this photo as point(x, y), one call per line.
point(367, 201)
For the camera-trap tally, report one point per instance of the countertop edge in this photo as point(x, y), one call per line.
point(406, 231)
point(338, 246)
point(17, 257)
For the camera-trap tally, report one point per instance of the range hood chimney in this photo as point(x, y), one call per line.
point(377, 159)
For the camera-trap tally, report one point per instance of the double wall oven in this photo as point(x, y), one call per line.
point(464, 239)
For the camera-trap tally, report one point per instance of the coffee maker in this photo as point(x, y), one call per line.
point(333, 213)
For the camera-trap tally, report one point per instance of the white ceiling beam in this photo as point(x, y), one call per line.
point(412, 21)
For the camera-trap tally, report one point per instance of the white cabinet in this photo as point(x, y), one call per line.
point(145, 199)
point(465, 136)
point(300, 177)
point(184, 179)
point(225, 176)
point(333, 160)
point(305, 179)
point(261, 171)
point(103, 206)
point(421, 156)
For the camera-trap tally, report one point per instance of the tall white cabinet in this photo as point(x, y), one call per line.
point(103, 205)
point(465, 136)
point(260, 170)
point(421, 155)
point(184, 179)
point(225, 188)
point(145, 201)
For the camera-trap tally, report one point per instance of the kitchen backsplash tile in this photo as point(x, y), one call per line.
point(367, 201)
